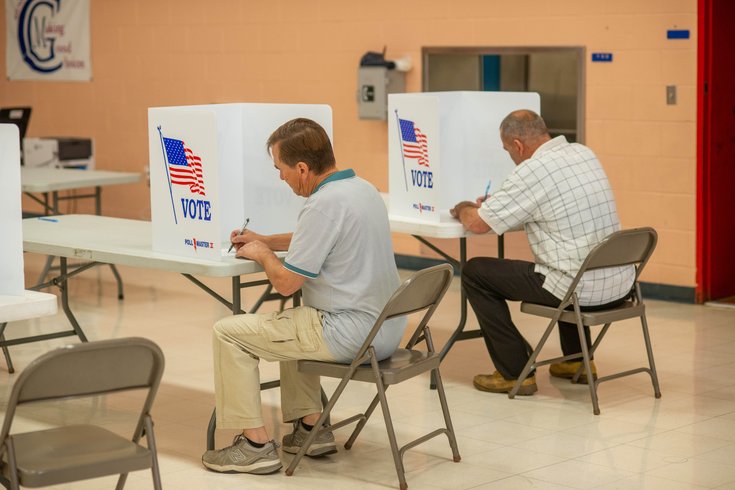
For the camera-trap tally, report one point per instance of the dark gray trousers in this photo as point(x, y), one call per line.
point(489, 283)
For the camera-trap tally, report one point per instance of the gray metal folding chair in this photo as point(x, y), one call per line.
point(78, 452)
point(626, 247)
point(421, 292)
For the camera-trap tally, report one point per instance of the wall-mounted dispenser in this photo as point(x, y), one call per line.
point(376, 78)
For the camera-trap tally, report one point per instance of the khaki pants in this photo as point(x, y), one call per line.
point(240, 342)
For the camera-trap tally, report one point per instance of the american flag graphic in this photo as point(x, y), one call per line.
point(414, 142)
point(184, 166)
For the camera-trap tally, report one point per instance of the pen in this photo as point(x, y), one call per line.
point(43, 218)
point(487, 190)
point(244, 225)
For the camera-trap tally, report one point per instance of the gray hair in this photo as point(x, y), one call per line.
point(524, 125)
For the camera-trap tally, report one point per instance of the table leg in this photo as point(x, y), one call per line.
point(236, 299)
point(98, 200)
point(6, 352)
point(459, 333)
point(63, 285)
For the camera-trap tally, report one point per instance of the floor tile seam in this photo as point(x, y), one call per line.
point(650, 473)
point(584, 453)
point(679, 431)
point(576, 459)
point(665, 431)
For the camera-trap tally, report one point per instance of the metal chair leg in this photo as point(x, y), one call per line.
point(591, 383)
point(447, 418)
point(397, 459)
point(361, 423)
point(151, 440)
point(649, 351)
point(317, 426)
point(531, 363)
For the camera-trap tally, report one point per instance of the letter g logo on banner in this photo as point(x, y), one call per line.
point(33, 25)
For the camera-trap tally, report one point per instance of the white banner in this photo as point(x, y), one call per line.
point(47, 40)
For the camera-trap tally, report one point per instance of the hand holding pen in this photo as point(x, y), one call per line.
point(481, 200)
point(242, 230)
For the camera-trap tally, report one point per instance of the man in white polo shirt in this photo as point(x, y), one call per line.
point(341, 257)
point(559, 194)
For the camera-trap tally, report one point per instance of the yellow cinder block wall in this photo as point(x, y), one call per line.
point(171, 52)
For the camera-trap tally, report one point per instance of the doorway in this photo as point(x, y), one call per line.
point(715, 152)
point(555, 73)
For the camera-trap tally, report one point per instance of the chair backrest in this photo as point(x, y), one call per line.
point(422, 291)
point(91, 368)
point(624, 247)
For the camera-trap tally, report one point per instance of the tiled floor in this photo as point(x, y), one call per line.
point(551, 440)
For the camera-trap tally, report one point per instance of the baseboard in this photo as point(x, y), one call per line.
point(650, 290)
point(668, 292)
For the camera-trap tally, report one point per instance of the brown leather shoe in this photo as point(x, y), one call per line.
point(567, 369)
point(496, 383)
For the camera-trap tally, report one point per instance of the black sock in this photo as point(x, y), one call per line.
point(306, 426)
point(255, 444)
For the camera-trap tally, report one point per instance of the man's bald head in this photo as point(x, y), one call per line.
point(522, 132)
point(524, 125)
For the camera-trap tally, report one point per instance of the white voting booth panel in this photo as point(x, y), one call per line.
point(210, 171)
point(444, 147)
point(11, 245)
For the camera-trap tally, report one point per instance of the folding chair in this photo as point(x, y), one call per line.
point(78, 452)
point(626, 247)
point(421, 292)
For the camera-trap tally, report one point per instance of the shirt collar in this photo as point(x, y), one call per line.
point(342, 174)
point(549, 145)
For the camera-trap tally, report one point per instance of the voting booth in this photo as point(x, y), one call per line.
point(444, 147)
point(211, 171)
point(11, 245)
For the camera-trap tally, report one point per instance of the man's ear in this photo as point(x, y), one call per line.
point(302, 167)
point(519, 146)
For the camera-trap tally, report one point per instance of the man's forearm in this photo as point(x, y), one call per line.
point(279, 242)
point(282, 279)
point(470, 219)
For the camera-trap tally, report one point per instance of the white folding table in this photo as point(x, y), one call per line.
point(30, 304)
point(45, 180)
point(106, 240)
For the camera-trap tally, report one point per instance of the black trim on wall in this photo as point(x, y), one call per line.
point(666, 292)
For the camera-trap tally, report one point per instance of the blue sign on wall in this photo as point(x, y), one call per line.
point(602, 57)
point(677, 34)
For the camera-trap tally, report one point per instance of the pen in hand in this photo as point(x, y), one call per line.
point(242, 230)
point(487, 190)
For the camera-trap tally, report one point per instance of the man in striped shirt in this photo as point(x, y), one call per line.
point(559, 194)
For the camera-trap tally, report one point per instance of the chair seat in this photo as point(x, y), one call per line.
point(75, 452)
point(402, 365)
point(628, 309)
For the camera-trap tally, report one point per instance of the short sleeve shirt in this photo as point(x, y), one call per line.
point(342, 245)
point(563, 200)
